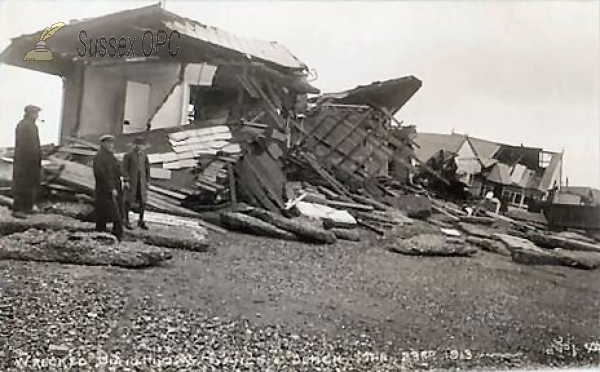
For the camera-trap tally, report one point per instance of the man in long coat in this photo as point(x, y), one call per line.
point(108, 190)
point(27, 165)
point(136, 173)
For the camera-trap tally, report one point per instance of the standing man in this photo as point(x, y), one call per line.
point(136, 172)
point(27, 165)
point(107, 174)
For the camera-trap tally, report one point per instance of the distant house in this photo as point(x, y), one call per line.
point(577, 195)
point(517, 173)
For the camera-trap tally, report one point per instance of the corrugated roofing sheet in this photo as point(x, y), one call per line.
point(267, 50)
point(151, 17)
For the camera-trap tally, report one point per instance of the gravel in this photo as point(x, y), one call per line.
point(259, 304)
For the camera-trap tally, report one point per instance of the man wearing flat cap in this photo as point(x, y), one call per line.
point(27, 165)
point(108, 190)
point(136, 174)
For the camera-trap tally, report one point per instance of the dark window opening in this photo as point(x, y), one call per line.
point(208, 103)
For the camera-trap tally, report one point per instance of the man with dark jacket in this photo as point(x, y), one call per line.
point(107, 173)
point(27, 165)
point(136, 173)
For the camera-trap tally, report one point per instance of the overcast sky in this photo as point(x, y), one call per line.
point(513, 71)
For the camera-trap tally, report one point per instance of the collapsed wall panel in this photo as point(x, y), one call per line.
point(350, 141)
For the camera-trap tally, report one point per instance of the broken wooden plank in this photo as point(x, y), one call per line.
point(203, 147)
point(371, 227)
point(76, 151)
point(170, 193)
point(232, 191)
point(180, 164)
point(160, 173)
point(186, 134)
point(334, 183)
point(200, 139)
point(346, 205)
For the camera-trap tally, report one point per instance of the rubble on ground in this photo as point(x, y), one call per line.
point(432, 245)
point(95, 249)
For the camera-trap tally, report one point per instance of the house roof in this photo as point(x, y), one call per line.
point(391, 95)
point(430, 143)
point(492, 155)
point(483, 148)
point(582, 191)
point(204, 43)
point(551, 172)
point(500, 174)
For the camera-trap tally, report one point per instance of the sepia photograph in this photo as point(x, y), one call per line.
point(331, 185)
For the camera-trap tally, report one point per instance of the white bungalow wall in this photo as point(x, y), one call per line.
point(103, 103)
point(142, 98)
point(467, 163)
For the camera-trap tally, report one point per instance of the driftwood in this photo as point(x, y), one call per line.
point(96, 249)
point(432, 245)
point(303, 231)
point(489, 245)
point(345, 234)
point(242, 222)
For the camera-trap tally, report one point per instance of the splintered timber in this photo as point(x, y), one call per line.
point(124, 46)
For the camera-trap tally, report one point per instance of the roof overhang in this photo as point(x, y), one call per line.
point(391, 95)
point(196, 43)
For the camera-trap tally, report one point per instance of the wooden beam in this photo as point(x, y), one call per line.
point(232, 191)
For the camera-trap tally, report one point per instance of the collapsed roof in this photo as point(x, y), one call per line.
point(390, 95)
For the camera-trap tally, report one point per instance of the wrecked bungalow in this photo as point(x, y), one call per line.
point(221, 106)
point(521, 175)
point(186, 105)
point(215, 77)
